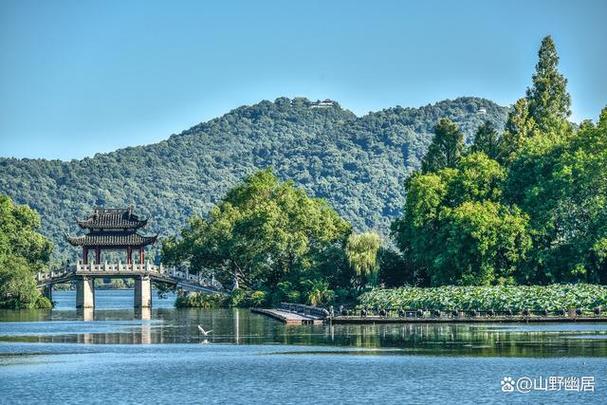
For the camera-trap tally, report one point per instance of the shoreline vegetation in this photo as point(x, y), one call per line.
point(554, 298)
point(514, 220)
point(237, 299)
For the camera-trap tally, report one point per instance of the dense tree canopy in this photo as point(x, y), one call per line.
point(455, 229)
point(537, 216)
point(446, 148)
point(23, 251)
point(263, 232)
point(19, 237)
point(520, 127)
point(487, 140)
point(561, 184)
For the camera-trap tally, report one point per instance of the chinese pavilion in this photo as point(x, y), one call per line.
point(112, 229)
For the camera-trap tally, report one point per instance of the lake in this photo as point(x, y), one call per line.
point(117, 355)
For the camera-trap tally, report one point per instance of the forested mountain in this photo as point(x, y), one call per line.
point(357, 163)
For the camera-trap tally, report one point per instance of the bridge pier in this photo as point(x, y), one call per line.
point(47, 291)
point(143, 292)
point(85, 292)
point(84, 275)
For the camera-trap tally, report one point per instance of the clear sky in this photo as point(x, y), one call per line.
point(80, 77)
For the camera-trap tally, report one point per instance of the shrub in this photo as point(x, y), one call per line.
point(318, 292)
point(237, 297)
point(294, 296)
point(199, 300)
point(43, 303)
point(257, 298)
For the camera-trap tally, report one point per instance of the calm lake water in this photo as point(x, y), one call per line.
point(115, 355)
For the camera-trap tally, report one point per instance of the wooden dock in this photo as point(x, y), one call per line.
point(288, 317)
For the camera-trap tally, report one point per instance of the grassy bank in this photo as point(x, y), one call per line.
point(499, 298)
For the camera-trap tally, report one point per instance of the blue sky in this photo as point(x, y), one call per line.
point(81, 77)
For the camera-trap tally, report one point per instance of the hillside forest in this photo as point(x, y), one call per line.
point(303, 201)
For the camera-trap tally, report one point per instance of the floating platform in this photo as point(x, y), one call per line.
point(288, 317)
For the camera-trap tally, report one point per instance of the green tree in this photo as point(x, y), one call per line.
point(603, 118)
point(454, 230)
point(487, 140)
point(477, 178)
point(531, 186)
point(520, 127)
point(23, 252)
point(577, 193)
point(559, 182)
point(483, 243)
point(540, 218)
point(19, 235)
point(17, 285)
point(263, 232)
point(549, 101)
point(415, 231)
point(395, 270)
point(545, 109)
point(361, 251)
point(446, 147)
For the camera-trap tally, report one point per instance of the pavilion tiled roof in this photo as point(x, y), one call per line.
point(112, 239)
point(113, 218)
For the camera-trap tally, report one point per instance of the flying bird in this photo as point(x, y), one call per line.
point(204, 332)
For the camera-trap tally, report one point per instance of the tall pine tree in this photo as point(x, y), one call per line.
point(548, 101)
point(544, 110)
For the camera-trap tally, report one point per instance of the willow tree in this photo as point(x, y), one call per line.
point(361, 251)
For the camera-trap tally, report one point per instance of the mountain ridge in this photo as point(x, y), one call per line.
point(357, 163)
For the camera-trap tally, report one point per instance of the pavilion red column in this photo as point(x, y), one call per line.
point(129, 255)
point(97, 255)
point(141, 255)
point(85, 255)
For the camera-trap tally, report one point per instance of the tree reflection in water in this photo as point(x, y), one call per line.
point(239, 326)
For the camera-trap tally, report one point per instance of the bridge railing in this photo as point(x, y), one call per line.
point(120, 267)
point(51, 275)
point(145, 268)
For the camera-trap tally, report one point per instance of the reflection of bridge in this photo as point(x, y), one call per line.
point(84, 276)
